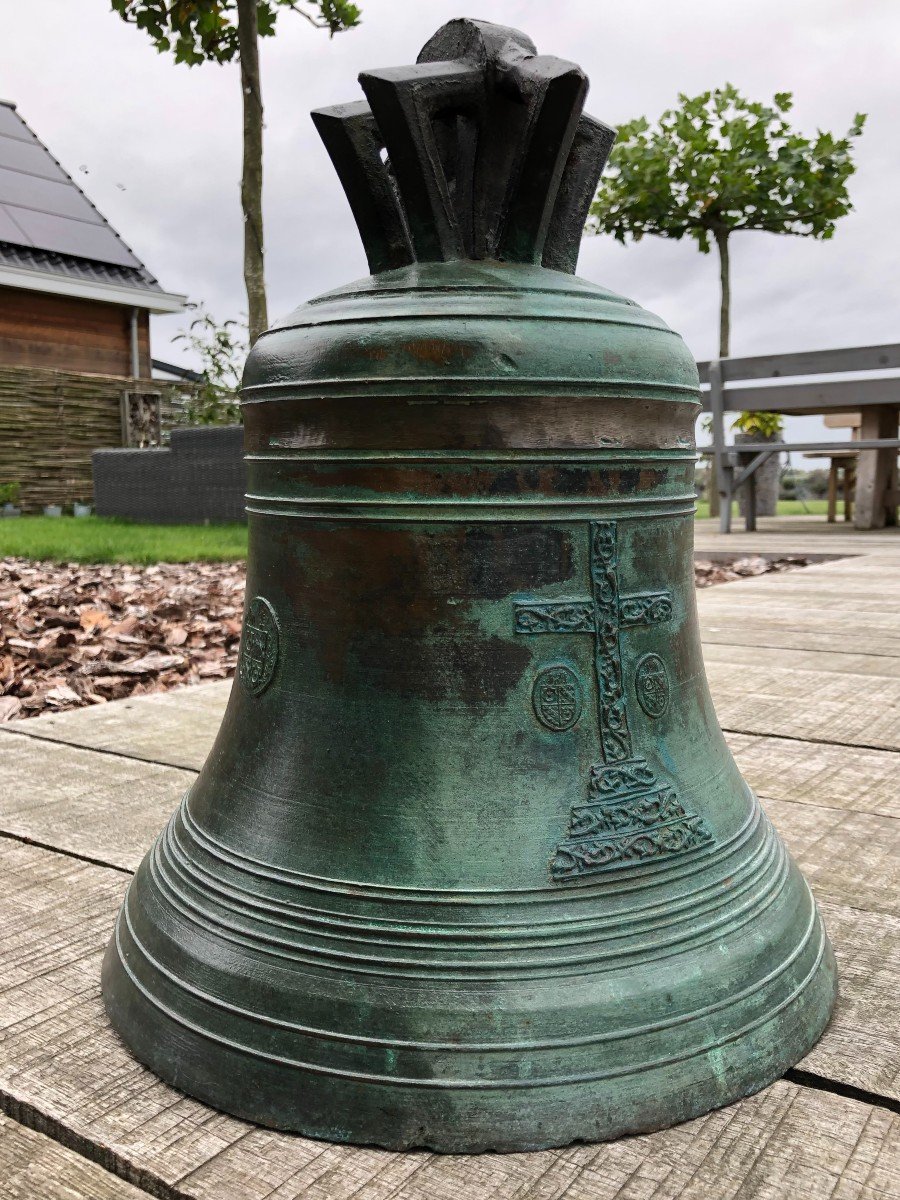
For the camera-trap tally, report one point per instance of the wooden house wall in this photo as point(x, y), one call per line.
point(67, 333)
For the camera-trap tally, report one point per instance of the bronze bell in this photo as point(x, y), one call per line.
point(470, 865)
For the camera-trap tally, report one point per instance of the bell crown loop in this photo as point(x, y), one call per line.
point(480, 150)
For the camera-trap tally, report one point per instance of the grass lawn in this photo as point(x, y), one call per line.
point(786, 508)
point(109, 539)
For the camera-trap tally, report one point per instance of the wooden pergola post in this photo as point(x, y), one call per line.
point(876, 474)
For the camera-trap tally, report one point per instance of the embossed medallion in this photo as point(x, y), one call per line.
point(260, 645)
point(651, 682)
point(630, 815)
point(556, 696)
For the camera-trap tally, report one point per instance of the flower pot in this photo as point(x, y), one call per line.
point(767, 478)
point(10, 510)
point(81, 510)
point(52, 510)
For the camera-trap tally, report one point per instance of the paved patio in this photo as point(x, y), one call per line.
point(805, 670)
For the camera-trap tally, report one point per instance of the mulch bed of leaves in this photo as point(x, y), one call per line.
point(72, 635)
point(706, 573)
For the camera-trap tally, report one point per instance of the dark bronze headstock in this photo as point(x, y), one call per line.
point(481, 150)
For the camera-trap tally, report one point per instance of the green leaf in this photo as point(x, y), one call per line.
point(721, 160)
point(717, 163)
point(198, 31)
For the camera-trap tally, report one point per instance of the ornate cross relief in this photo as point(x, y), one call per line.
point(629, 814)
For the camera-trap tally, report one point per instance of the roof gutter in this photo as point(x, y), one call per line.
point(87, 289)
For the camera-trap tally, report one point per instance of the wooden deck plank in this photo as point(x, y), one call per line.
point(846, 777)
point(836, 806)
point(797, 624)
point(848, 605)
point(800, 608)
point(101, 806)
point(861, 1046)
point(828, 593)
point(716, 655)
point(843, 605)
point(793, 535)
point(853, 858)
point(781, 634)
point(801, 698)
point(174, 728)
point(59, 1055)
point(34, 1167)
point(786, 1143)
point(814, 706)
point(99, 782)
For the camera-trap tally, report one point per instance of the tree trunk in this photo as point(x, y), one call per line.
point(251, 175)
point(721, 236)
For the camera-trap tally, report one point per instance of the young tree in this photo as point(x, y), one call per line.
point(199, 31)
point(221, 350)
point(719, 164)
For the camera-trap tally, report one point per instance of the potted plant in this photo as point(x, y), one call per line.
point(81, 508)
point(9, 500)
point(761, 427)
point(52, 510)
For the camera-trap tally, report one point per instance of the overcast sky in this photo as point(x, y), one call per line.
point(156, 146)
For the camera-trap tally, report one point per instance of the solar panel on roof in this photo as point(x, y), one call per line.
point(9, 231)
point(46, 195)
point(41, 206)
point(31, 158)
point(49, 232)
point(12, 125)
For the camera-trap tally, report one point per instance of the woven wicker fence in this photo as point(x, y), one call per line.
point(51, 421)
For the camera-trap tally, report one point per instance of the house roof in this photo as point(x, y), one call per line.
point(53, 239)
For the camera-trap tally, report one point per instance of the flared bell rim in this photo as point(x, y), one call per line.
point(222, 1015)
point(279, 1097)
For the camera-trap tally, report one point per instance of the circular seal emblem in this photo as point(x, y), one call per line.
point(651, 682)
point(260, 644)
point(556, 696)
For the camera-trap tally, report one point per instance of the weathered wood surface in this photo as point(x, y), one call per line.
point(816, 706)
point(62, 1066)
point(849, 606)
point(790, 631)
point(818, 652)
point(837, 662)
point(787, 1143)
point(844, 777)
point(34, 1166)
point(792, 535)
point(876, 470)
point(69, 334)
point(62, 797)
point(173, 728)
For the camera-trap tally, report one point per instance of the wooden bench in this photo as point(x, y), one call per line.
point(735, 385)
